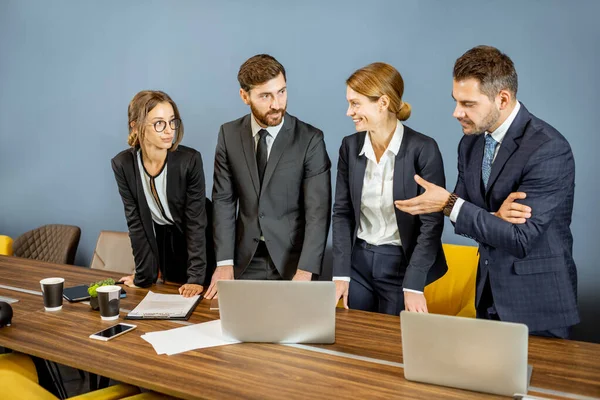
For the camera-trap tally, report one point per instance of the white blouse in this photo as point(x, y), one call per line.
point(377, 224)
point(155, 190)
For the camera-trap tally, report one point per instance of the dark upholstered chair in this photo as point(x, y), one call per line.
point(51, 243)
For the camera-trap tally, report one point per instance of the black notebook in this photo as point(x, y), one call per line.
point(80, 293)
point(76, 293)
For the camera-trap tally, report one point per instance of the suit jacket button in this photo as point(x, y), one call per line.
point(256, 240)
point(486, 262)
point(261, 215)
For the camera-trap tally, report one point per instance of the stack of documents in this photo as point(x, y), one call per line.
point(178, 340)
point(164, 306)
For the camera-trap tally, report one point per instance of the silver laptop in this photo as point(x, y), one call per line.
point(466, 353)
point(277, 311)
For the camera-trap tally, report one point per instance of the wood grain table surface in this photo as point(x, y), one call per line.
point(364, 362)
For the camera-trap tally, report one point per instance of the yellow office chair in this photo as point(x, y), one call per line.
point(19, 363)
point(6, 245)
point(454, 293)
point(18, 380)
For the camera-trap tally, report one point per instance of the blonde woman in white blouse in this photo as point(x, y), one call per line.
point(382, 257)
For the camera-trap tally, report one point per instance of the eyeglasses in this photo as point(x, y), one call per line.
point(161, 125)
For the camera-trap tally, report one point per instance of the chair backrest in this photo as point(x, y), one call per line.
point(19, 380)
point(17, 387)
point(454, 293)
point(19, 363)
point(6, 243)
point(53, 243)
point(114, 253)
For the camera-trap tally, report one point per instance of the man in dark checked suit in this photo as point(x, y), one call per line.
point(271, 187)
point(514, 195)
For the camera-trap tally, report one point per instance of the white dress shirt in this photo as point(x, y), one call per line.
point(273, 131)
point(498, 136)
point(377, 225)
point(160, 184)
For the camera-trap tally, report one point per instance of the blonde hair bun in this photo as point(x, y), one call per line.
point(404, 113)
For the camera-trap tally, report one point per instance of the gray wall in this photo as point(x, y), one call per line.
point(69, 68)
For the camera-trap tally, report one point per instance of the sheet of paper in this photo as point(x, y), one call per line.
point(179, 340)
point(8, 300)
point(167, 305)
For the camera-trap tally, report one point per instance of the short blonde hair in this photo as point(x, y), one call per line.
point(139, 107)
point(378, 79)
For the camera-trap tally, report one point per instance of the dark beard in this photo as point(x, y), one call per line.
point(263, 118)
point(490, 120)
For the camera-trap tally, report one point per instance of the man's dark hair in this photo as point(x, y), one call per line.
point(493, 69)
point(258, 70)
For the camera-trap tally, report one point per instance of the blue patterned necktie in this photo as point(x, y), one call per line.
point(488, 158)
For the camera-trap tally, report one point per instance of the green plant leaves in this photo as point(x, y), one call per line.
point(95, 285)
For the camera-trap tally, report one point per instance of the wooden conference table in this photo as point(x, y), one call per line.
point(364, 363)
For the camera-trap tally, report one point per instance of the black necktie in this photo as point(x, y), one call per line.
point(262, 154)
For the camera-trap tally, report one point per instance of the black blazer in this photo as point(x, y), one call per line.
point(293, 208)
point(420, 235)
point(186, 197)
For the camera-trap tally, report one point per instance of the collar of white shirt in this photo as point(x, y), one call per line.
point(393, 146)
point(273, 130)
point(500, 132)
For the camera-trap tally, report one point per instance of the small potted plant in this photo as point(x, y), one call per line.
point(92, 291)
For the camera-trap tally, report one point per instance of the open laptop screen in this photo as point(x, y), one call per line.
point(466, 353)
point(277, 311)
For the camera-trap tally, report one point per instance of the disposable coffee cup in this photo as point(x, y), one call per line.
point(108, 299)
point(52, 290)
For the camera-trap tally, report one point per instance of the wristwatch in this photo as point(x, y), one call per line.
point(450, 204)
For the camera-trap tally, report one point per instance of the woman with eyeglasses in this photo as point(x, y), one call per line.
point(162, 187)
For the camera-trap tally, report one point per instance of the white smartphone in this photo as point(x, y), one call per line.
point(113, 331)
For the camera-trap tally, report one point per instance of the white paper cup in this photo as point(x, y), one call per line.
point(109, 299)
point(52, 290)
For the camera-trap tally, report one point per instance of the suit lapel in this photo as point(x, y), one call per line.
point(473, 170)
point(278, 148)
point(249, 153)
point(509, 145)
point(173, 169)
point(143, 204)
point(507, 148)
point(401, 165)
point(399, 192)
point(359, 168)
